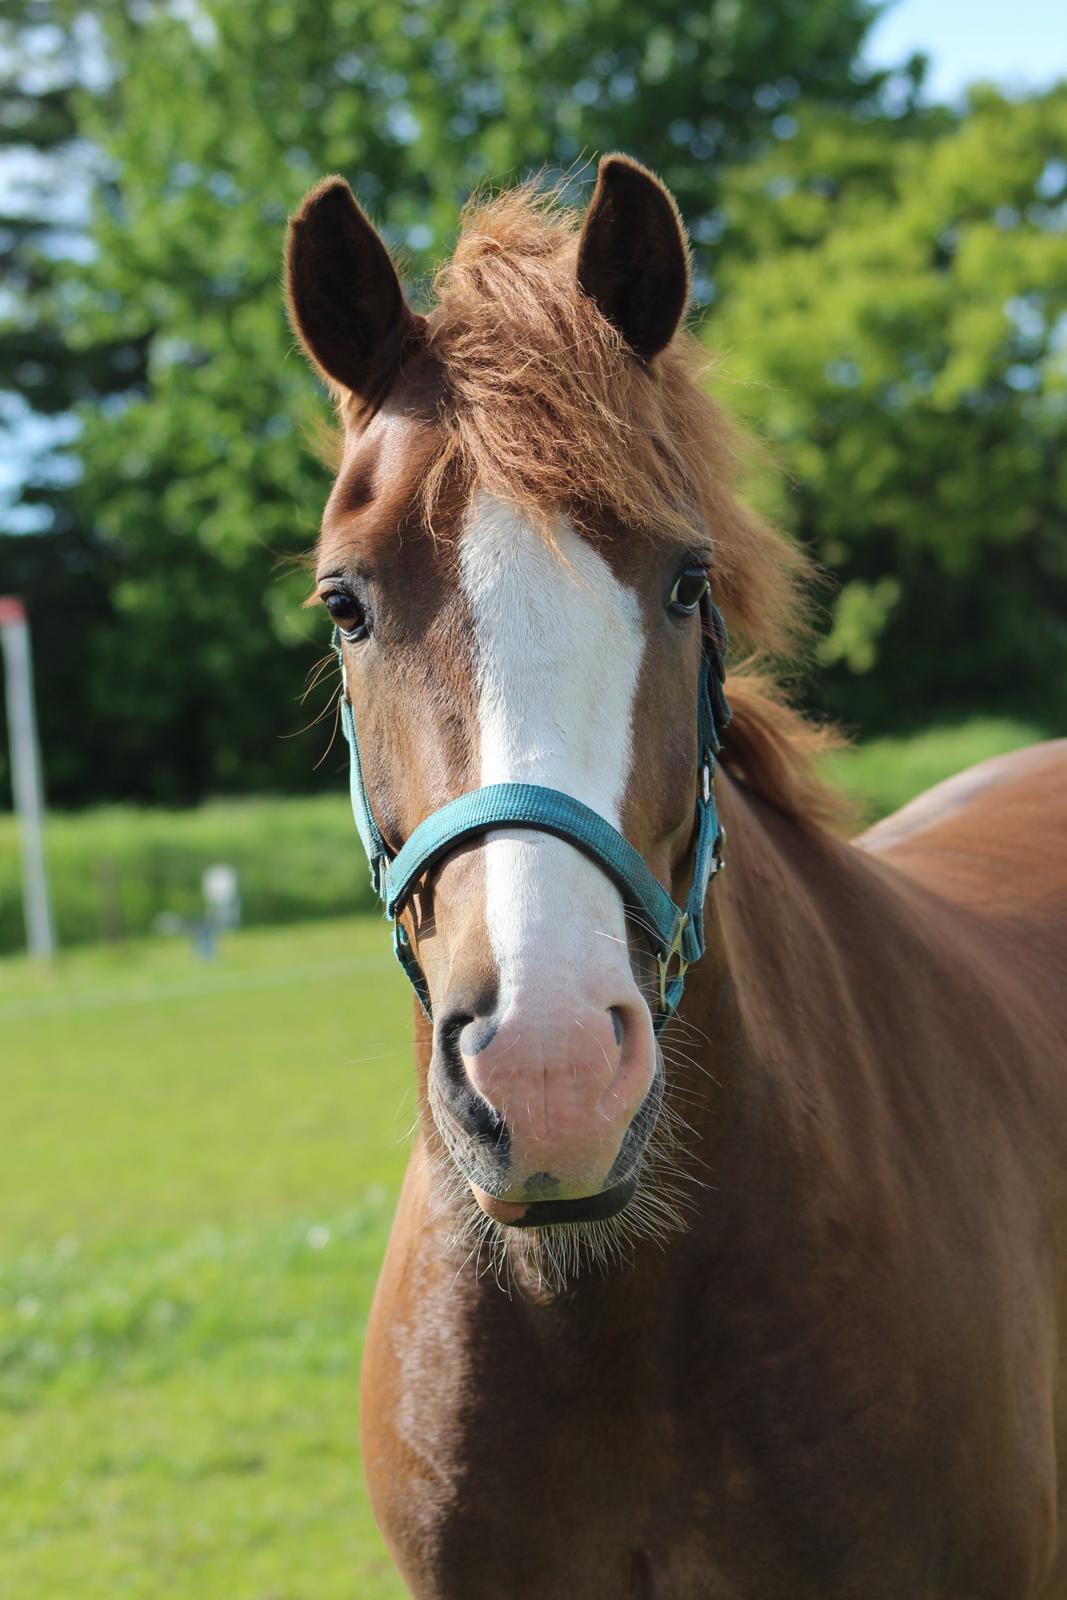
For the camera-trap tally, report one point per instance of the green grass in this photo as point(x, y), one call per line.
point(199, 1170)
point(886, 773)
point(198, 1174)
point(115, 868)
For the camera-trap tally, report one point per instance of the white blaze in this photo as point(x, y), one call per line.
point(558, 651)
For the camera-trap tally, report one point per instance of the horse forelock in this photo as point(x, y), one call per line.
point(517, 387)
point(544, 404)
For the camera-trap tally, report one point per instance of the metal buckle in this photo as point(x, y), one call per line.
point(664, 961)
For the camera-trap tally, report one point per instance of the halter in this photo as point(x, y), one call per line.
point(676, 932)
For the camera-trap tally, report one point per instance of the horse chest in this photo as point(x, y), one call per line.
point(655, 1464)
point(543, 1489)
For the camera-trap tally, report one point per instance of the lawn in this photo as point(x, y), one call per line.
point(199, 1170)
point(116, 868)
point(883, 774)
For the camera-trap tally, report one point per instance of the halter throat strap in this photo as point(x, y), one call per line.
point(675, 932)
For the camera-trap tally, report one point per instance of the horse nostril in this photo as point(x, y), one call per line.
point(449, 1049)
point(464, 1034)
point(617, 1023)
point(478, 1035)
point(460, 1034)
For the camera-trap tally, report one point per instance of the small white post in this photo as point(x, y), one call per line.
point(26, 785)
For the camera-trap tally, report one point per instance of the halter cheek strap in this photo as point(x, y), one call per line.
point(676, 932)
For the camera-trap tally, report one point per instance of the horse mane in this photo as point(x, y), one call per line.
point(543, 398)
point(778, 753)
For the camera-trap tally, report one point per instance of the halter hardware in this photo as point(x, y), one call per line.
point(664, 964)
point(677, 932)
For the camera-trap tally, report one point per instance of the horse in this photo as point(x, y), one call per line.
point(750, 1289)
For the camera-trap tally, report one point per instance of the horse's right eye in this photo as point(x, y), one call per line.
point(347, 612)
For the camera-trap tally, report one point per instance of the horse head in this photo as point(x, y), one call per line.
point(516, 554)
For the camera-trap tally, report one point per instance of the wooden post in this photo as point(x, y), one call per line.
point(26, 785)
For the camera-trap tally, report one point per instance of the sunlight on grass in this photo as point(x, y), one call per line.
point(886, 773)
point(200, 1169)
point(119, 867)
point(200, 1165)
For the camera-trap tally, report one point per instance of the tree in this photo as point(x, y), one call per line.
point(210, 120)
point(895, 320)
point(48, 553)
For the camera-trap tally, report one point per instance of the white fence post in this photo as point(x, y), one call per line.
point(26, 784)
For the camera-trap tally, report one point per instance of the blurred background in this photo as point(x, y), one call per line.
point(206, 1093)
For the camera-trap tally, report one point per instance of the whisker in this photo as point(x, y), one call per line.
point(317, 673)
point(333, 732)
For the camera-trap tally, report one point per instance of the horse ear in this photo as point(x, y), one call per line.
point(345, 301)
point(632, 255)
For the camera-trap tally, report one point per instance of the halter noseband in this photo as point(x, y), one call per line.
point(677, 932)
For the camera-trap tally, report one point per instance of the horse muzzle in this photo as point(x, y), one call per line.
point(547, 1117)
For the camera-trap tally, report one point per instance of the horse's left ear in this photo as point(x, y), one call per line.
point(632, 256)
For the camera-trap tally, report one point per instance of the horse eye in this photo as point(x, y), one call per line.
point(689, 590)
point(347, 612)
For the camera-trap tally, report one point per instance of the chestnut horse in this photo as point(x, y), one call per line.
point(768, 1308)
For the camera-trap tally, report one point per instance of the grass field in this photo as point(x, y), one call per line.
point(199, 1166)
point(115, 868)
point(883, 774)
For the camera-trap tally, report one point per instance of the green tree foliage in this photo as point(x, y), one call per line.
point(210, 121)
point(49, 552)
point(44, 371)
point(896, 296)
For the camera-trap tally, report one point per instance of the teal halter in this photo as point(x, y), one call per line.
point(676, 932)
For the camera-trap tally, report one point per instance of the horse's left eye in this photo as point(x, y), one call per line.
point(689, 590)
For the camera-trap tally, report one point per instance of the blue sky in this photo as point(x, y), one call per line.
point(1018, 44)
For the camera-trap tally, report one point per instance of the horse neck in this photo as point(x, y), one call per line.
point(771, 1050)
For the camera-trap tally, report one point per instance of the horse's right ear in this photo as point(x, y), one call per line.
point(345, 300)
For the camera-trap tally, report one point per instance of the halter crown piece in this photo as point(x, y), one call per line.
point(676, 932)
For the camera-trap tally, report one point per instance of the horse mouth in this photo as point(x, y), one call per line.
point(553, 1213)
